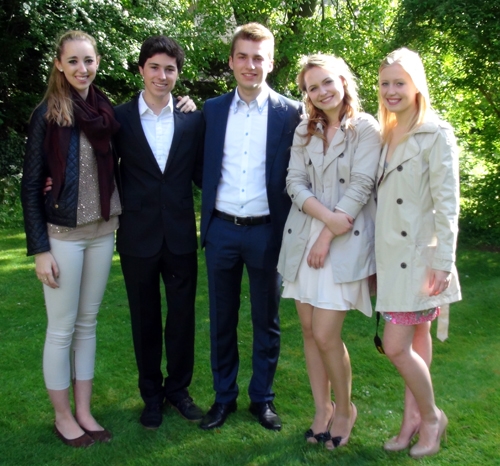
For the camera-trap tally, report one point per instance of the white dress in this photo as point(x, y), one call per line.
point(317, 286)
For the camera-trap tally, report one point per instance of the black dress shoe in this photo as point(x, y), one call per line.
point(266, 413)
point(187, 409)
point(217, 415)
point(151, 416)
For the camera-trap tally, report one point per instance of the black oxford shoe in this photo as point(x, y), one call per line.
point(266, 413)
point(217, 415)
point(188, 409)
point(151, 416)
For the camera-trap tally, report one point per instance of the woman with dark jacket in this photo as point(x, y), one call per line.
point(70, 231)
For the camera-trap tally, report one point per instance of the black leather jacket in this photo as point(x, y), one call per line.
point(37, 208)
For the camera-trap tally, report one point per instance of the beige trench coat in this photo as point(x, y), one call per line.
point(417, 220)
point(343, 178)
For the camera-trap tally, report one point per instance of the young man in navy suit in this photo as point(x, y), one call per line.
point(248, 137)
point(160, 151)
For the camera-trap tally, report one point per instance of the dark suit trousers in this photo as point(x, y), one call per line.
point(228, 248)
point(142, 280)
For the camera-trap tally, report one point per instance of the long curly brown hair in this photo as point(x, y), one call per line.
point(350, 105)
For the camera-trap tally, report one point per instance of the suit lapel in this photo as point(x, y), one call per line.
point(276, 117)
point(218, 134)
point(179, 118)
point(135, 126)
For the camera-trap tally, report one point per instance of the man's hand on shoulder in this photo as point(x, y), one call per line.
point(185, 104)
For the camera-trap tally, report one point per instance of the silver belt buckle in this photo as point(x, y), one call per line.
point(236, 222)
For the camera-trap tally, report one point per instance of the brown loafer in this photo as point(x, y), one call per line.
point(80, 442)
point(103, 436)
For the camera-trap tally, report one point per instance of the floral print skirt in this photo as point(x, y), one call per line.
point(411, 318)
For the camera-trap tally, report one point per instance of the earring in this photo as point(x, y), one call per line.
point(61, 70)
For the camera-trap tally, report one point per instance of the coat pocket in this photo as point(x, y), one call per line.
point(421, 271)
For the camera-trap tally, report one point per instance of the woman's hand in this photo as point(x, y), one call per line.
point(439, 280)
point(339, 223)
point(46, 269)
point(185, 104)
point(320, 248)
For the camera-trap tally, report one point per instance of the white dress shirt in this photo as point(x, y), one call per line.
point(159, 129)
point(242, 188)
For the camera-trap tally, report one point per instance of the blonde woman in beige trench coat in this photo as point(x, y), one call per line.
point(328, 242)
point(415, 240)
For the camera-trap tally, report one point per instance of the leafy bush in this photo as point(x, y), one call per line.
point(480, 209)
point(11, 150)
point(10, 201)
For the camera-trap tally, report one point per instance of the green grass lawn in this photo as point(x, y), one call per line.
point(466, 374)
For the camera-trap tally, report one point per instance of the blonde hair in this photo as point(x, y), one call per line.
point(58, 94)
point(255, 32)
point(350, 105)
point(410, 62)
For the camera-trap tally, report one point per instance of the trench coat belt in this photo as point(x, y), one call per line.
point(243, 221)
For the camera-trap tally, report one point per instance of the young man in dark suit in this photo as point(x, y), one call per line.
point(160, 154)
point(249, 132)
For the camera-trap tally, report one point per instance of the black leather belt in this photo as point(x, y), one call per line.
point(243, 221)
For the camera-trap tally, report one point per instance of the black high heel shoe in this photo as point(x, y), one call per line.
point(321, 437)
point(339, 441)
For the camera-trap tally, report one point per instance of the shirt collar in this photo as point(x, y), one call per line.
point(261, 99)
point(143, 106)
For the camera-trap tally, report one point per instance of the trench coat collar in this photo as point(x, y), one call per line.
point(337, 146)
point(404, 151)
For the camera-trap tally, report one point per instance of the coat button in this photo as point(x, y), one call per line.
point(403, 265)
point(293, 196)
point(341, 155)
point(342, 180)
point(399, 201)
point(400, 168)
point(289, 230)
point(403, 233)
point(56, 206)
point(356, 233)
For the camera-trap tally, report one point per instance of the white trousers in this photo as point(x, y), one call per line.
point(72, 309)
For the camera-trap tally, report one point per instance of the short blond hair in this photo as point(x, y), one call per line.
point(255, 32)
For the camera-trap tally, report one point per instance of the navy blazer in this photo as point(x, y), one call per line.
point(157, 206)
point(283, 117)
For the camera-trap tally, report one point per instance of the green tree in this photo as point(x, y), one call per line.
point(460, 44)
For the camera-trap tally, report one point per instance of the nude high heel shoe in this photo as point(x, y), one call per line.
point(419, 451)
point(393, 444)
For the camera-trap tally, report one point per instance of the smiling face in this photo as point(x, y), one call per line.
point(79, 63)
point(397, 90)
point(325, 89)
point(251, 62)
point(160, 74)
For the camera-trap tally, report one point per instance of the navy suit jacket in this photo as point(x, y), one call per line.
point(283, 117)
point(157, 206)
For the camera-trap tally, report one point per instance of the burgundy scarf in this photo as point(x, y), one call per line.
point(95, 117)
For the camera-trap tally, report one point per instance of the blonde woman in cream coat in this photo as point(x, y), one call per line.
point(416, 234)
point(327, 253)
